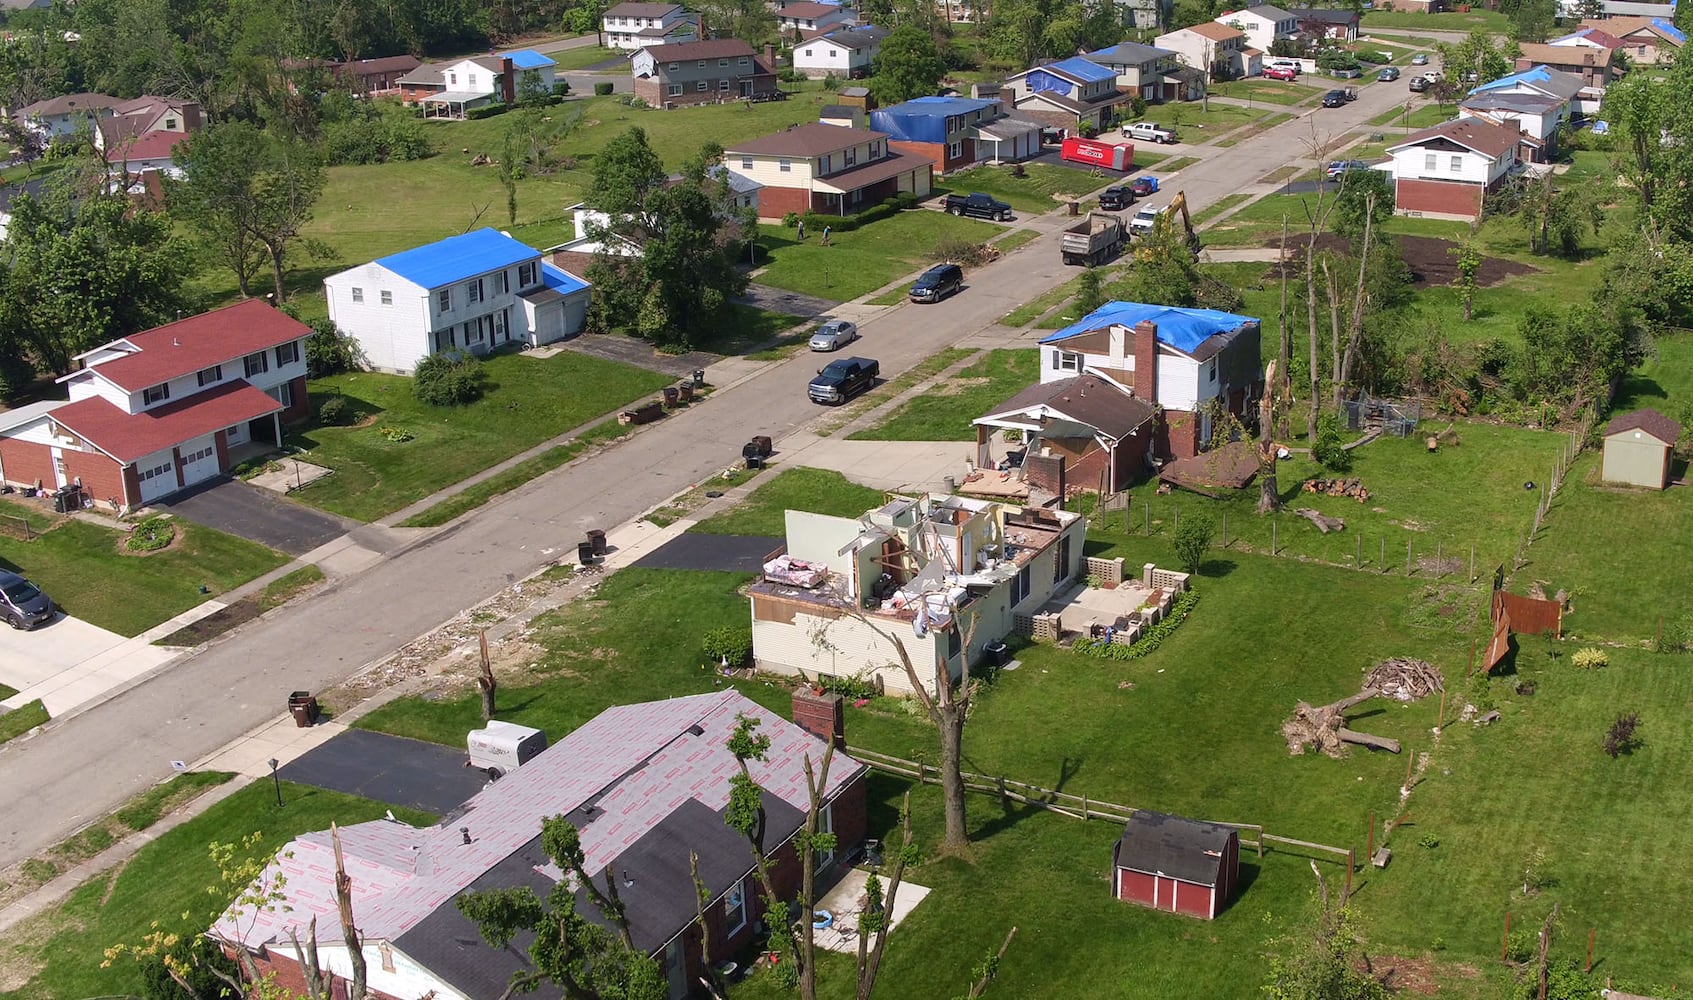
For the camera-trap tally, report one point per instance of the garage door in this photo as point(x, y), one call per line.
point(199, 464)
point(157, 480)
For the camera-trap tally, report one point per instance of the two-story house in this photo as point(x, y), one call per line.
point(1263, 24)
point(1215, 49)
point(1150, 73)
point(1145, 15)
point(937, 576)
point(144, 116)
point(450, 89)
point(1591, 63)
point(1069, 93)
point(1544, 82)
point(1648, 41)
point(956, 132)
point(639, 25)
point(1445, 172)
point(159, 411)
point(65, 114)
point(471, 293)
point(1537, 116)
point(706, 72)
point(1334, 24)
point(806, 17)
point(828, 169)
point(843, 53)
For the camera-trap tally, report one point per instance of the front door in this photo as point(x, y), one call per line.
point(746, 88)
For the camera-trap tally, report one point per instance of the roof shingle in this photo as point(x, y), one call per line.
point(1648, 420)
point(188, 345)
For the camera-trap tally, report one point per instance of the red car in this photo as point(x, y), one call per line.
point(1279, 73)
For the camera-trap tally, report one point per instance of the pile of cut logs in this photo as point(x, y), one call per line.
point(1338, 488)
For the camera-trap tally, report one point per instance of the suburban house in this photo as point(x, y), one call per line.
point(471, 292)
point(844, 53)
point(594, 235)
point(159, 411)
point(1537, 116)
point(1150, 73)
point(63, 115)
point(956, 132)
point(1591, 65)
point(146, 115)
point(826, 169)
point(1262, 24)
point(1145, 15)
point(374, 77)
point(139, 164)
point(1648, 41)
point(1640, 449)
point(1104, 434)
point(1545, 82)
point(1445, 172)
point(806, 17)
point(638, 25)
point(450, 89)
point(1181, 865)
point(1184, 364)
point(1336, 24)
point(1213, 48)
point(645, 785)
point(1070, 93)
point(936, 576)
point(705, 72)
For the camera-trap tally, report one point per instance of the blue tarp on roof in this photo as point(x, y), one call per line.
point(1538, 74)
point(1183, 329)
point(923, 119)
point(1668, 27)
point(560, 281)
point(1082, 69)
point(528, 59)
point(458, 257)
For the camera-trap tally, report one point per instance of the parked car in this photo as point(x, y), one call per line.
point(840, 380)
point(834, 335)
point(22, 603)
point(1420, 59)
point(937, 283)
point(1418, 84)
point(1432, 76)
point(1336, 168)
point(1291, 64)
point(978, 206)
point(1143, 186)
point(1388, 74)
point(1149, 132)
point(1116, 198)
point(1334, 99)
point(1279, 73)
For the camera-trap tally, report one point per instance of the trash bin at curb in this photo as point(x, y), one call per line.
point(596, 538)
point(699, 378)
point(585, 553)
point(303, 707)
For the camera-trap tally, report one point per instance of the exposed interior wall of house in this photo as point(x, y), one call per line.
point(790, 638)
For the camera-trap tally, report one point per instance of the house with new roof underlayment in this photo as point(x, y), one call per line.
point(1066, 94)
point(646, 785)
point(473, 292)
point(1546, 82)
point(161, 410)
point(1130, 386)
point(933, 578)
point(956, 132)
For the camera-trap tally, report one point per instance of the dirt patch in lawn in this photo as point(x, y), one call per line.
point(1422, 976)
point(1425, 256)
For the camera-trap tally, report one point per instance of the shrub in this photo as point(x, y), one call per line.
point(394, 435)
point(731, 642)
point(1621, 738)
point(335, 412)
point(561, 87)
point(448, 380)
point(1193, 536)
point(788, 74)
point(1478, 691)
point(1677, 636)
point(1591, 659)
point(150, 535)
point(1429, 841)
point(1328, 449)
point(602, 88)
point(831, 83)
point(850, 688)
point(489, 111)
point(791, 219)
point(329, 351)
point(194, 958)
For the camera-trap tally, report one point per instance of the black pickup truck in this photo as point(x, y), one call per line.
point(843, 379)
point(978, 206)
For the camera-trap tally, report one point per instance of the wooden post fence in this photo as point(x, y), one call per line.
point(1505, 942)
point(1440, 720)
point(1370, 842)
point(1358, 554)
point(1384, 553)
point(1591, 931)
point(1225, 531)
point(1407, 557)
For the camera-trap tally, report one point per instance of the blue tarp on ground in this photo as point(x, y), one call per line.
point(923, 119)
point(1183, 329)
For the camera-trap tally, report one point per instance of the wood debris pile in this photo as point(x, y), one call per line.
point(1323, 728)
point(1404, 679)
point(1337, 488)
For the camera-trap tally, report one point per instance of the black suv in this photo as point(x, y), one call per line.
point(1334, 99)
point(843, 379)
point(937, 283)
point(1115, 199)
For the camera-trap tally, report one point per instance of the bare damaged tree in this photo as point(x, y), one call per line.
point(310, 972)
point(702, 898)
point(1346, 355)
point(1545, 946)
point(349, 931)
point(1269, 496)
point(877, 918)
point(1317, 217)
point(988, 971)
point(1284, 348)
point(485, 682)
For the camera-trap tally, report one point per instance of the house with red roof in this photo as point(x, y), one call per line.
point(159, 411)
point(646, 785)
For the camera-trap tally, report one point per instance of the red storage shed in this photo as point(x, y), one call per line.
point(1175, 864)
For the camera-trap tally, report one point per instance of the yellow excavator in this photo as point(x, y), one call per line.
point(1146, 218)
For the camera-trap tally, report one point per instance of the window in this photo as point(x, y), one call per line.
point(444, 339)
point(808, 53)
point(1457, 164)
point(785, 166)
point(283, 394)
point(470, 80)
point(256, 364)
point(155, 472)
point(702, 64)
point(502, 284)
point(876, 150)
point(387, 298)
point(525, 275)
point(287, 354)
point(675, 90)
point(744, 60)
point(851, 155)
point(473, 332)
point(954, 150)
point(746, 163)
point(825, 164)
point(1064, 361)
point(207, 376)
point(673, 66)
point(473, 290)
point(702, 86)
point(170, 124)
point(722, 62)
point(198, 456)
point(445, 299)
point(155, 394)
point(723, 85)
point(1061, 564)
point(358, 295)
point(1020, 587)
point(1211, 371)
point(1429, 161)
point(735, 907)
point(452, 78)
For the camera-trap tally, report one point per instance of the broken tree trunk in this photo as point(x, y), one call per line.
point(1324, 523)
point(485, 682)
point(1366, 740)
point(1323, 728)
point(1269, 497)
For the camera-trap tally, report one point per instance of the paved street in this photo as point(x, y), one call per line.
point(78, 770)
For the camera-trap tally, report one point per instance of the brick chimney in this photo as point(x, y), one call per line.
point(770, 57)
point(821, 715)
point(508, 81)
point(1146, 360)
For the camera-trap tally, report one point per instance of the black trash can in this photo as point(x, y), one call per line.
point(303, 707)
point(755, 461)
point(596, 538)
point(585, 552)
point(750, 450)
point(998, 654)
point(59, 500)
point(699, 378)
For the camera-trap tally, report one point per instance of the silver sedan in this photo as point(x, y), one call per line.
point(834, 335)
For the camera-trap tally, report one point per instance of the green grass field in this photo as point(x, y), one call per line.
point(1032, 193)
point(82, 567)
point(528, 400)
point(859, 262)
point(1259, 90)
point(1195, 124)
point(1422, 114)
point(801, 488)
point(944, 412)
point(1446, 21)
point(21, 720)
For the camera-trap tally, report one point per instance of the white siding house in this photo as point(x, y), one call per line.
point(1262, 24)
point(639, 25)
point(841, 52)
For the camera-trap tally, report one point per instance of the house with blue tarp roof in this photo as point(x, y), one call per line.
point(1069, 94)
point(1173, 371)
point(1153, 73)
point(956, 132)
point(474, 292)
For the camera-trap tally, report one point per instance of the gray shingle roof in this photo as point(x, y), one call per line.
point(1648, 420)
point(1186, 849)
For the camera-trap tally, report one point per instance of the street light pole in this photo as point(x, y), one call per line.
point(276, 781)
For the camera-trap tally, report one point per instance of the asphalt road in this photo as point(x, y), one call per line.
point(77, 771)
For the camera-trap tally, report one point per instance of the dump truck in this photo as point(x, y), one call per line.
point(1094, 240)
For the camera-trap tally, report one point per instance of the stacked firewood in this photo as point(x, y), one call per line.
point(1338, 488)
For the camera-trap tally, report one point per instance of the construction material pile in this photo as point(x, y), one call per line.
point(1404, 679)
point(1337, 488)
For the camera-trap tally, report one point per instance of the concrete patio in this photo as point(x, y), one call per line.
point(844, 903)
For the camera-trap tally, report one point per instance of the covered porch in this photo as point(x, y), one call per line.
point(454, 105)
point(871, 183)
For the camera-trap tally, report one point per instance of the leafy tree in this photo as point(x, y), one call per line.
point(907, 66)
point(1620, 738)
point(1089, 295)
point(330, 351)
point(1532, 20)
point(1574, 355)
point(448, 380)
point(1645, 271)
point(1468, 262)
point(749, 20)
point(1485, 55)
point(626, 173)
point(1642, 112)
point(1194, 536)
point(1164, 270)
point(1329, 448)
point(1329, 964)
point(571, 950)
point(1362, 197)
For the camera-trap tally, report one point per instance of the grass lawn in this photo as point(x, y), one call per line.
point(1016, 239)
point(818, 490)
point(1194, 124)
point(1032, 193)
point(1264, 91)
point(1448, 21)
point(1423, 114)
point(944, 413)
point(21, 720)
point(81, 566)
point(1664, 382)
point(528, 400)
point(1040, 305)
point(686, 503)
point(283, 589)
point(166, 881)
point(928, 368)
point(1218, 207)
point(582, 58)
point(859, 262)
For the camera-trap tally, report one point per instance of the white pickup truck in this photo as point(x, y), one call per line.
point(1149, 132)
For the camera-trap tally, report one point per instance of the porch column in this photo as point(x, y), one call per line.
point(983, 434)
point(276, 425)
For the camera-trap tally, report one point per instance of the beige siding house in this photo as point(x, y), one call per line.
point(1640, 449)
point(827, 169)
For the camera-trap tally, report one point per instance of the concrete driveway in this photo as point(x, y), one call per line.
point(66, 659)
point(232, 506)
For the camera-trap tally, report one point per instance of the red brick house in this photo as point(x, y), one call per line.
point(644, 784)
point(1179, 865)
point(158, 411)
point(827, 169)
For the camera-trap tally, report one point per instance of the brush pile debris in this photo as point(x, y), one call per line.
point(1404, 679)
